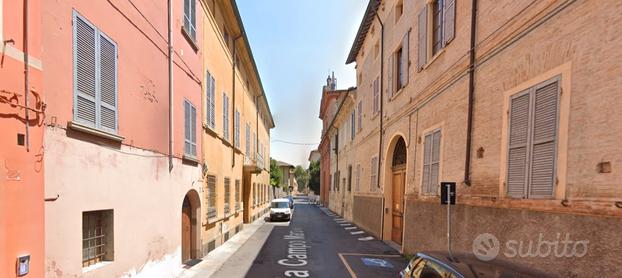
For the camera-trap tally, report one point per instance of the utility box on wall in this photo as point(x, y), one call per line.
point(23, 265)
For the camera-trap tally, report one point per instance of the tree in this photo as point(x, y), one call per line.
point(302, 177)
point(314, 176)
point(275, 175)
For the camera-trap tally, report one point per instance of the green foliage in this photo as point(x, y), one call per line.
point(302, 177)
point(314, 177)
point(275, 173)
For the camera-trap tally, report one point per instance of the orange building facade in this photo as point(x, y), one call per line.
point(22, 103)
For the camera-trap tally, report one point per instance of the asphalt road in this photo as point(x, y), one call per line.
point(317, 243)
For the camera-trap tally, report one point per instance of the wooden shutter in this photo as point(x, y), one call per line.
point(209, 101)
point(376, 95)
point(517, 149)
point(225, 116)
point(427, 161)
point(449, 21)
point(236, 128)
point(405, 58)
point(248, 140)
point(193, 130)
point(187, 127)
point(360, 115)
point(211, 189)
point(390, 81)
point(212, 102)
point(542, 169)
point(435, 162)
point(107, 83)
point(422, 43)
point(85, 110)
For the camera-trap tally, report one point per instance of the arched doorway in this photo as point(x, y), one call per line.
point(398, 181)
point(190, 227)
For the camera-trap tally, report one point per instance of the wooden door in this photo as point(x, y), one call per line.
point(185, 233)
point(397, 208)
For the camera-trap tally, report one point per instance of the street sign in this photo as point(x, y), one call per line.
point(448, 192)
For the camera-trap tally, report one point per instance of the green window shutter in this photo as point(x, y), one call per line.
point(84, 51)
point(518, 142)
point(449, 21)
point(544, 133)
point(422, 43)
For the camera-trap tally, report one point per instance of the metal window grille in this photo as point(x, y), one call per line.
point(227, 194)
point(211, 197)
point(93, 238)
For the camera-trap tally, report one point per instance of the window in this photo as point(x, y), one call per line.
point(211, 197)
point(358, 178)
point(336, 181)
point(330, 178)
point(210, 101)
point(437, 17)
point(431, 162)
point(225, 116)
point(349, 178)
point(236, 129)
point(399, 10)
point(247, 144)
point(254, 194)
point(190, 125)
point(237, 195)
point(227, 194)
point(352, 125)
point(398, 67)
point(360, 115)
point(190, 18)
point(94, 77)
point(532, 141)
point(376, 95)
point(374, 174)
point(97, 237)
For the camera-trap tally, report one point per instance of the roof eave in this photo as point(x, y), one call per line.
point(370, 12)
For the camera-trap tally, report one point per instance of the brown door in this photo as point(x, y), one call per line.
point(185, 233)
point(397, 206)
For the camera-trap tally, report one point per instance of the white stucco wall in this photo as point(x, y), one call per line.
point(136, 184)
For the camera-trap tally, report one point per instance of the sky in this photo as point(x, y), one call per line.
point(296, 44)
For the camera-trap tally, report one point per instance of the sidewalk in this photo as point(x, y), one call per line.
point(235, 257)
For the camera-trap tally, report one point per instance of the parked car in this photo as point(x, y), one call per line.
point(439, 265)
point(280, 209)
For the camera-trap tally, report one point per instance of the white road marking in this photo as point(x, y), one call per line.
point(366, 238)
point(345, 224)
point(350, 228)
point(356, 233)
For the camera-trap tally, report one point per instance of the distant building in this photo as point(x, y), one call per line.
point(314, 156)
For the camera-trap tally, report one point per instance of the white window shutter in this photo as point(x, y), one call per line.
point(518, 142)
point(85, 110)
point(542, 169)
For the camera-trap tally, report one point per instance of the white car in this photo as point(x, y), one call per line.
point(280, 210)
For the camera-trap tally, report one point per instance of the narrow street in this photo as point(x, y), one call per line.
point(319, 244)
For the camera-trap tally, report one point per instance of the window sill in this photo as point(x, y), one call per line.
point(210, 130)
point(96, 266)
point(398, 93)
point(431, 61)
point(190, 40)
point(190, 158)
point(94, 131)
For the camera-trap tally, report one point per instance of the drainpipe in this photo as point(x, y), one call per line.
point(381, 115)
point(233, 98)
point(467, 159)
point(26, 76)
point(170, 85)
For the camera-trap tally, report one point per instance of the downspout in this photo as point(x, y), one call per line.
point(467, 159)
point(26, 76)
point(381, 117)
point(233, 64)
point(170, 85)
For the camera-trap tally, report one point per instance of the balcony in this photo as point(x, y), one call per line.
point(253, 164)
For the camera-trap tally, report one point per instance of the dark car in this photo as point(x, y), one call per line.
point(440, 265)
